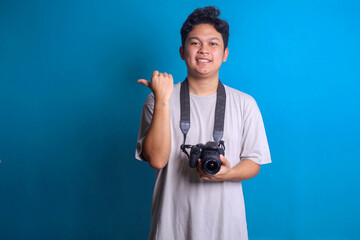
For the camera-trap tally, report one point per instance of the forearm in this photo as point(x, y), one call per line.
point(244, 170)
point(157, 143)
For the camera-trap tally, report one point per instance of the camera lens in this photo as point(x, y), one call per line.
point(212, 166)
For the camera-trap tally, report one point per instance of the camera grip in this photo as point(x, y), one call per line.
point(195, 154)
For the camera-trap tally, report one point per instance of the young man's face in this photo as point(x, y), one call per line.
point(204, 52)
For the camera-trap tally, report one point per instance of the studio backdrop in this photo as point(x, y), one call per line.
point(70, 111)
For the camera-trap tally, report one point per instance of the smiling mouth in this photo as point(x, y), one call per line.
point(203, 60)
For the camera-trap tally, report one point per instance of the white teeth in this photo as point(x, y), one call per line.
point(203, 60)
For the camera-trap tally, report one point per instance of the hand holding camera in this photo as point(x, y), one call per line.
point(208, 155)
point(224, 173)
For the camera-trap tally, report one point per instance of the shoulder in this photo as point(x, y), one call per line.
point(242, 103)
point(177, 87)
point(235, 96)
point(175, 98)
point(150, 100)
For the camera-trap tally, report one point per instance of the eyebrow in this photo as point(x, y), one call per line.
point(197, 38)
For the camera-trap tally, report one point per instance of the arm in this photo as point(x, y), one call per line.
point(244, 170)
point(157, 143)
point(254, 145)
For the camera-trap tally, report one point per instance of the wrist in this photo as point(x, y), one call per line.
point(229, 175)
point(225, 175)
point(161, 101)
point(162, 104)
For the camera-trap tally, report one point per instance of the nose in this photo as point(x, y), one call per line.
point(203, 49)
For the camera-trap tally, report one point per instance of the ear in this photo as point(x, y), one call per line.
point(181, 51)
point(226, 53)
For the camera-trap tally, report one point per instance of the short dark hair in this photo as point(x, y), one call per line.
point(207, 15)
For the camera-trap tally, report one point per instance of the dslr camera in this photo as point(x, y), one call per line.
point(209, 156)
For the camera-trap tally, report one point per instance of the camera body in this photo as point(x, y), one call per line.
point(209, 156)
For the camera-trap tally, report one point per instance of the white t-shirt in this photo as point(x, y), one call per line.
point(185, 206)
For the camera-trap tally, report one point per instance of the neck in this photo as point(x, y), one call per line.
point(203, 87)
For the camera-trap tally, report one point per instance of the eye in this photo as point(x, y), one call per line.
point(194, 43)
point(213, 44)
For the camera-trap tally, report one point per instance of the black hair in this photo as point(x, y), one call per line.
point(207, 15)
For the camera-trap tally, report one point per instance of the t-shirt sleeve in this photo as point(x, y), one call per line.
point(146, 118)
point(254, 142)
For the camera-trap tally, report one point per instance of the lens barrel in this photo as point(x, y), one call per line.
point(211, 166)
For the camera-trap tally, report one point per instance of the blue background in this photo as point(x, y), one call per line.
point(70, 111)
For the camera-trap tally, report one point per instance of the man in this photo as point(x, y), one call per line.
point(188, 203)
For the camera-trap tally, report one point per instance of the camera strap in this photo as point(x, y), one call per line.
point(185, 113)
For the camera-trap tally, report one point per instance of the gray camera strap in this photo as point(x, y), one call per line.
point(185, 113)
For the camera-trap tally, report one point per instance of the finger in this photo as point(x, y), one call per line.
point(224, 161)
point(200, 169)
point(155, 73)
point(207, 178)
point(144, 82)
